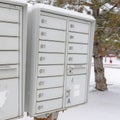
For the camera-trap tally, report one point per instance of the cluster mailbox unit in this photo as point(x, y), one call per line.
point(58, 59)
point(12, 58)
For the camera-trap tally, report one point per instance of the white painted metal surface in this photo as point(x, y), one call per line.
point(78, 38)
point(48, 94)
point(9, 57)
point(50, 70)
point(50, 105)
point(49, 82)
point(7, 43)
point(75, 91)
point(76, 69)
point(79, 27)
point(77, 59)
point(9, 99)
point(47, 22)
point(8, 71)
point(9, 15)
point(12, 58)
point(9, 29)
point(52, 47)
point(77, 48)
point(51, 58)
point(51, 34)
point(59, 58)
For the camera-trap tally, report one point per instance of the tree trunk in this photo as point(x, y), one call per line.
point(98, 68)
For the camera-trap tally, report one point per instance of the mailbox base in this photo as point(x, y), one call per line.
point(52, 116)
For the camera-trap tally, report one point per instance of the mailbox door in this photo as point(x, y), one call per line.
point(75, 92)
point(9, 99)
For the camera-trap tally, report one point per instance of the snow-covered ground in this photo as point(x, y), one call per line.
point(101, 105)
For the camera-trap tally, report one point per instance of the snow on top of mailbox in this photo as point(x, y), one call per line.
point(64, 12)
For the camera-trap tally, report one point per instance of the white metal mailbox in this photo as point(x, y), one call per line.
point(13, 32)
point(59, 56)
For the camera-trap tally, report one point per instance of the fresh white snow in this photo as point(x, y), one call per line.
point(101, 105)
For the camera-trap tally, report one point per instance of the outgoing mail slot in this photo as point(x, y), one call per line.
point(76, 69)
point(9, 29)
point(48, 105)
point(78, 38)
point(8, 57)
point(10, 15)
point(77, 59)
point(52, 22)
point(9, 43)
point(51, 58)
point(77, 48)
point(49, 94)
point(8, 71)
point(49, 34)
point(55, 47)
point(78, 27)
point(53, 70)
point(49, 82)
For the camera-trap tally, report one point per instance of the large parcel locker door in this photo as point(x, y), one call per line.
point(12, 59)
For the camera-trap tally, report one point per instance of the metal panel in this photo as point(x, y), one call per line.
point(52, 22)
point(78, 37)
point(53, 70)
point(48, 105)
point(51, 58)
point(8, 57)
point(49, 34)
point(12, 58)
point(9, 43)
point(48, 94)
point(76, 69)
point(77, 59)
point(49, 46)
point(8, 71)
point(9, 29)
point(49, 82)
point(77, 48)
point(76, 88)
point(79, 27)
point(9, 99)
point(9, 15)
point(58, 49)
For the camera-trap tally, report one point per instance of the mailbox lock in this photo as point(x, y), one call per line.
point(70, 59)
point(43, 33)
point(70, 47)
point(43, 21)
point(71, 37)
point(42, 70)
point(40, 95)
point(41, 83)
point(42, 46)
point(72, 26)
point(40, 107)
point(42, 58)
